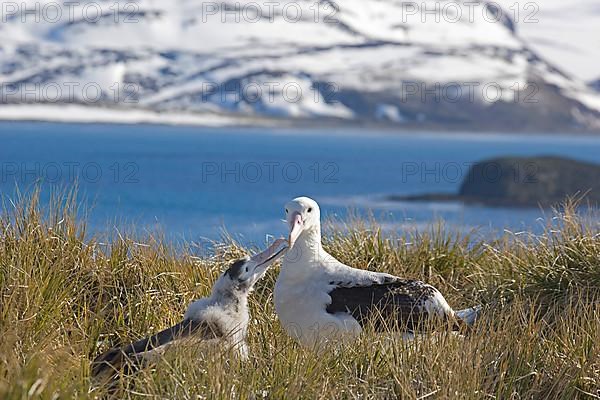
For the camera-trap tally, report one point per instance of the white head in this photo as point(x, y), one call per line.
point(304, 219)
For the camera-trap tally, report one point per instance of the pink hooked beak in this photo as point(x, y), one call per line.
point(296, 225)
point(271, 254)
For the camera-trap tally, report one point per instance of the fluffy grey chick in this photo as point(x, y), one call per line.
point(223, 315)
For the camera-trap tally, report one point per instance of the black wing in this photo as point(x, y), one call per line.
point(396, 304)
point(116, 357)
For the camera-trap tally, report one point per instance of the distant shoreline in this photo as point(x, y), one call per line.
point(80, 114)
point(457, 198)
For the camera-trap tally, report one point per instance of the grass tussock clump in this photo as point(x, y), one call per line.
point(66, 297)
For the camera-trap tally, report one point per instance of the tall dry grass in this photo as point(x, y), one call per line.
point(65, 297)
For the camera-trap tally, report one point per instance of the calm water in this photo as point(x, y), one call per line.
point(192, 182)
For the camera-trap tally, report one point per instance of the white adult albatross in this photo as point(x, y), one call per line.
point(317, 298)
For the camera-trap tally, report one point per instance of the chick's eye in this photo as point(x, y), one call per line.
point(310, 209)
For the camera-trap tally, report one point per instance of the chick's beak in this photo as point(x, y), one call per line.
point(296, 226)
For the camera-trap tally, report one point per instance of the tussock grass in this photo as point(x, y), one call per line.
point(65, 297)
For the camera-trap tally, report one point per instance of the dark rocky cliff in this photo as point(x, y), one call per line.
point(531, 181)
point(523, 182)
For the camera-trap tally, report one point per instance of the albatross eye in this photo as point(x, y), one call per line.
point(309, 209)
point(286, 210)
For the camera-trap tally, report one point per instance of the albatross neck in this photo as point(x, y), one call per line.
point(227, 294)
point(308, 247)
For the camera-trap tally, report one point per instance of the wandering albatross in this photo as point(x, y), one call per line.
point(223, 315)
point(318, 298)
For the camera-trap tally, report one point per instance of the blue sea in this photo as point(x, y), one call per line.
point(195, 183)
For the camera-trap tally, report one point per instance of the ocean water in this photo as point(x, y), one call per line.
point(194, 183)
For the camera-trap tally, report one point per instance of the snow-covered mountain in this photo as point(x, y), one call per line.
point(565, 33)
point(430, 64)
